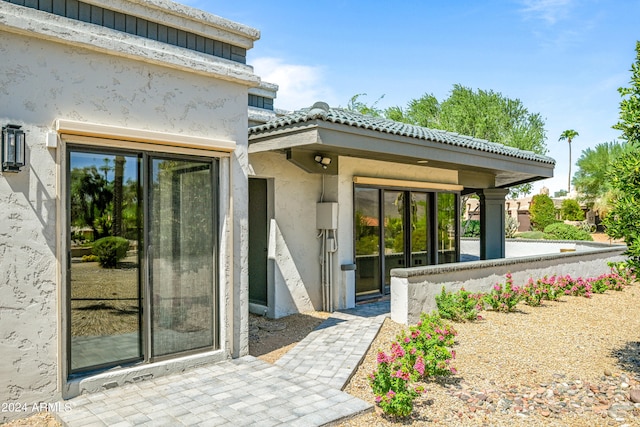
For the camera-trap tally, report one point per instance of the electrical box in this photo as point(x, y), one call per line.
point(327, 216)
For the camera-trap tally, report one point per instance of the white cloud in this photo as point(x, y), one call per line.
point(550, 11)
point(299, 85)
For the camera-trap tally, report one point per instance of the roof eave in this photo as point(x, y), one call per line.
point(344, 139)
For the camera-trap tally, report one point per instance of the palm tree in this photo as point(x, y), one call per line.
point(568, 134)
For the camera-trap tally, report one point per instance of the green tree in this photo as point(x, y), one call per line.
point(117, 225)
point(423, 111)
point(629, 122)
point(590, 179)
point(355, 104)
point(91, 196)
point(623, 221)
point(568, 135)
point(542, 212)
point(481, 114)
point(571, 210)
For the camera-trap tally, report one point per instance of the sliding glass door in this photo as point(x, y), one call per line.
point(398, 229)
point(181, 255)
point(142, 257)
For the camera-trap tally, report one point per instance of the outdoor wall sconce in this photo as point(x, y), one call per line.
point(13, 141)
point(323, 161)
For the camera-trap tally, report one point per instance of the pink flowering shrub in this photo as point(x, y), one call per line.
point(504, 297)
point(578, 287)
point(430, 340)
point(420, 353)
point(392, 383)
point(611, 281)
point(534, 292)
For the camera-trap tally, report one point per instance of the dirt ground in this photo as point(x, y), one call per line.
point(603, 238)
point(271, 339)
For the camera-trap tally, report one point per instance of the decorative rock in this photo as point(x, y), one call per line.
point(607, 372)
point(608, 399)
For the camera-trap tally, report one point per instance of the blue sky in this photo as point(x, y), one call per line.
point(563, 59)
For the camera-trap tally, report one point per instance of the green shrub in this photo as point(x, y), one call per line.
point(621, 222)
point(472, 228)
point(560, 231)
point(542, 212)
point(459, 306)
point(110, 250)
point(571, 211)
point(536, 235)
point(89, 258)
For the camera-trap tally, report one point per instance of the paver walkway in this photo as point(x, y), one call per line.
point(302, 389)
point(332, 352)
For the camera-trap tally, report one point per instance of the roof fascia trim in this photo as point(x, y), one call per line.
point(58, 29)
point(185, 17)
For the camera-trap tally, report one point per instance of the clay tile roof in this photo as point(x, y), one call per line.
point(322, 111)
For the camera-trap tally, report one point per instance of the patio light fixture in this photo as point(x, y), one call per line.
point(323, 161)
point(13, 141)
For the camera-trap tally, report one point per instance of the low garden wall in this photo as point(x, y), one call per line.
point(413, 290)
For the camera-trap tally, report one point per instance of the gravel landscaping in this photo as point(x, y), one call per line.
point(574, 362)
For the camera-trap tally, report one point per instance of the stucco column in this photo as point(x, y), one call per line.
point(492, 237)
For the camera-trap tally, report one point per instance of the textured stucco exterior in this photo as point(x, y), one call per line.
point(413, 290)
point(294, 249)
point(55, 68)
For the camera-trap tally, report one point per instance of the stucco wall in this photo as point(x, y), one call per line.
point(41, 81)
point(413, 290)
point(294, 248)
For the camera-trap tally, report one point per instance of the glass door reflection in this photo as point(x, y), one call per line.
point(367, 241)
point(105, 298)
point(394, 232)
